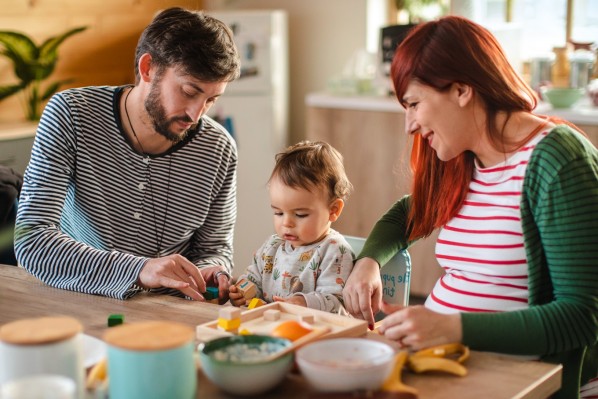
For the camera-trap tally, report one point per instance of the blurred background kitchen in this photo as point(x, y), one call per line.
point(330, 82)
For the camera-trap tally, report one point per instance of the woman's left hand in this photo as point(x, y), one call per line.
point(417, 327)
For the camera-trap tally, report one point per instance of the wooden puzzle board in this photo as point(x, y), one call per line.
point(254, 322)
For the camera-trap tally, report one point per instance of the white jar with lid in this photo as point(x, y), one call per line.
point(541, 70)
point(581, 65)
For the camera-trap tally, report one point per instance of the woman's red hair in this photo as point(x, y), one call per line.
point(438, 53)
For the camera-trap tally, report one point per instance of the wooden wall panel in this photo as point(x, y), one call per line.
point(101, 55)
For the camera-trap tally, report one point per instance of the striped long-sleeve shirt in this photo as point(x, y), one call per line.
point(92, 210)
point(559, 219)
point(481, 248)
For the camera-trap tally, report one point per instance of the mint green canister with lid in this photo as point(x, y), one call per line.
point(151, 360)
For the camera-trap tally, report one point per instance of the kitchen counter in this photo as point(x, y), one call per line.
point(17, 130)
point(16, 140)
point(584, 113)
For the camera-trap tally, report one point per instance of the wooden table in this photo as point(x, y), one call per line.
point(490, 375)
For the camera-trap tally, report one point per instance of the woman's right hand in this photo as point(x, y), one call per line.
point(362, 293)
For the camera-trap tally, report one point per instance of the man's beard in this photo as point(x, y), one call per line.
point(157, 114)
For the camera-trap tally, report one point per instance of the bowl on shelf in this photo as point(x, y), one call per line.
point(561, 97)
point(345, 364)
point(238, 364)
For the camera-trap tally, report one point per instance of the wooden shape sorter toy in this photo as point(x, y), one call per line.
point(264, 319)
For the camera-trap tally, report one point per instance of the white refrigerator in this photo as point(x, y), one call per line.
point(254, 109)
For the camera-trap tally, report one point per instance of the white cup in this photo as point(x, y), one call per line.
point(41, 386)
point(22, 354)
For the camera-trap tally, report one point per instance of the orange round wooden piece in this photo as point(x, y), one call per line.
point(291, 329)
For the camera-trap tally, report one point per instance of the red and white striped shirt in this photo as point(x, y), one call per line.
point(481, 249)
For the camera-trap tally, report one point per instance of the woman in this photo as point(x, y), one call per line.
point(516, 198)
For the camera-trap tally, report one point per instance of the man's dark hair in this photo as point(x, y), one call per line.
point(198, 44)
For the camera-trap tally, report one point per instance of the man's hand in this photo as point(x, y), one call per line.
point(217, 276)
point(173, 271)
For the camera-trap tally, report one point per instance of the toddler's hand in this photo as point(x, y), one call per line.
point(295, 300)
point(236, 298)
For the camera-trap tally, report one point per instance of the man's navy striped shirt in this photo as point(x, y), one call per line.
point(92, 210)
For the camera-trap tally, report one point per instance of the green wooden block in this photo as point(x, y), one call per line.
point(115, 320)
point(211, 293)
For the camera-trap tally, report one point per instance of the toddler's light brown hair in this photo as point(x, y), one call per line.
point(313, 164)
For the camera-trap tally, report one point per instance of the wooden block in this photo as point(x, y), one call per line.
point(115, 320)
point(245, 331)
point(211, 294)
point(272, 315)
point(229, 325)
point(229, 313)
point(306, 318)
point(247, 288)
point(256, 303)
point(205, 334)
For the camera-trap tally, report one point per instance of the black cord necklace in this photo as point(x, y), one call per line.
point(148, 179)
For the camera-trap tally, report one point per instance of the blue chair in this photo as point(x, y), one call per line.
point(395, 275)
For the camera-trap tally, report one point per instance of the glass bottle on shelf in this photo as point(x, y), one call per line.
point(581, 63)
point(561, 67)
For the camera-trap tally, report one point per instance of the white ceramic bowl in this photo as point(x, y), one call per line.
point(245, 375)
point(345, 364)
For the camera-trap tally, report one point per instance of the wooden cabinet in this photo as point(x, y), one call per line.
point(376, 152)
point(591, 131)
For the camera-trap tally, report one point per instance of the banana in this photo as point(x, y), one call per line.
point(445, 351)
point(394, 383)
point(420, 364)
point(97, 374)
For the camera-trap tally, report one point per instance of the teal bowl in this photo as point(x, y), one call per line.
point(561, 97)
point(235, 363)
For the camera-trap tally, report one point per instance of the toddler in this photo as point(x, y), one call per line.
point(306, 262)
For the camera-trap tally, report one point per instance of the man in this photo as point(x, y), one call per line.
point(133, 188)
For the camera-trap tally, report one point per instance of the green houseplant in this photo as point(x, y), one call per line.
point(32, 65)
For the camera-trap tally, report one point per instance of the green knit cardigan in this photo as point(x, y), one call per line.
point(559, 211)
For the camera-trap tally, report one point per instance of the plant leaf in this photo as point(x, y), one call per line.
point(7, 91)
point(48, 53)
point(22, 51)
point(18, 45)
point(48, 50)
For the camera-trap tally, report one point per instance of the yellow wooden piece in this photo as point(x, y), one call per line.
point(229, 325)
point(256, 303)
point(245, 332)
